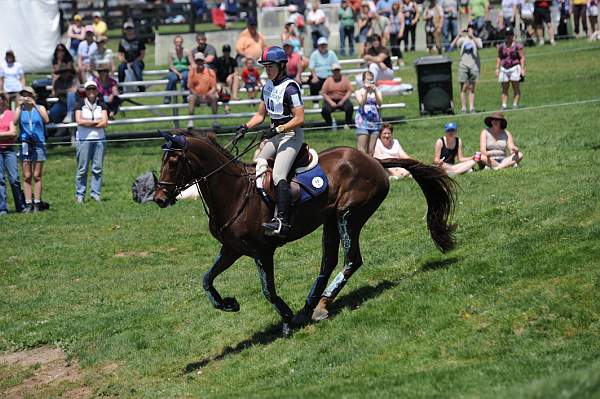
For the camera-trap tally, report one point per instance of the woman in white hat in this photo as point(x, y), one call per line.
point(91, 116)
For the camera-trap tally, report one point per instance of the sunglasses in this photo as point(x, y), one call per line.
point(91, 89)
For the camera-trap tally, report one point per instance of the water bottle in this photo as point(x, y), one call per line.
point(334, 125)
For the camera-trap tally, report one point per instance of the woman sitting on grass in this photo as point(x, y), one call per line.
point(449, 152)
point(495, 142)
point(388, 147)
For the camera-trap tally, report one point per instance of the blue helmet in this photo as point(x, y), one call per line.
point(273, 55)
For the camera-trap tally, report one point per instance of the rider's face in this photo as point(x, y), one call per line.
point(272, 71)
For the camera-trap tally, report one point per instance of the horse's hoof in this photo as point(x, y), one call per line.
point(286, 329)
point(320, 313)
point(230, 305)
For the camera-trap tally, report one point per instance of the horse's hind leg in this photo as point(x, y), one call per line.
point(225, 259)
point(264, 265)
point(349, 228)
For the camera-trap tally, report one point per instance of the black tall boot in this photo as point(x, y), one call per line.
point(279, 226)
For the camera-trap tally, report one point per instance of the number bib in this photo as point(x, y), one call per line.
point(273, 98)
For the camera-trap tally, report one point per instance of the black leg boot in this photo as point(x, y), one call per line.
point(279, 226)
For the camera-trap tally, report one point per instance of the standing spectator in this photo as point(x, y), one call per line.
point(448, 153)
point(300, 6)
point(179, 65)
point(388, 147)
point(380, 26)
point(336, 92)
point(295, 63)
point(202, 84)
point(510, 67)
point(593, 15)
point(496, 141)
point(579, 13)
point(290, 34)
point(209, 51)
point(363, 25)
point(225, 68)
point(450, 27)
point(526, 9)
point(12, 76)
point(368, 116)
point(564, 15)
point(131, 54)
point(433, 16)
point(64, 87)
point(468, 66)
point(32, 119)
point(347, 20)
point(397, 32)
point(384, 7)
point(103, 55)
point(99, 25)
point(84, 51)
point(480, 12)
point(91, 116)
point(411, 17)
point(108, 90)
point(250, 42)
point(76, 34)
point(232, 9)
point(320, 63)
point(317, 20)
point(542, 16)
point(379, 60)
point(296, 15)
point(508, 15)
point(8, 158)
point(251, 78)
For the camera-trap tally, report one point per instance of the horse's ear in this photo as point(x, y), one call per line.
point(165, 135)
point(179, 141)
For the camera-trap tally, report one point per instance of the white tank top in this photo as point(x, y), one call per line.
point(382, 152)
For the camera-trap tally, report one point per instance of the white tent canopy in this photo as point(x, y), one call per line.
point(31, 29)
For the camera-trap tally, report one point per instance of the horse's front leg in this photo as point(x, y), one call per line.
point(226, 258)
point(264, 265)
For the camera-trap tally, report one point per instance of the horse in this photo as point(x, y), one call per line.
point(358, 184)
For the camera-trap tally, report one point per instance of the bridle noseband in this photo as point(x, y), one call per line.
point(174, 188)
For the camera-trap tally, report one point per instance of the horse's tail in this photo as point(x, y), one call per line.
point(439, 190)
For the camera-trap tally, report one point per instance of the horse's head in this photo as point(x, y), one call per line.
point(175, 171)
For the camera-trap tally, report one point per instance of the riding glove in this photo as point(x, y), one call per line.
point(272, 132)
point(241, 132)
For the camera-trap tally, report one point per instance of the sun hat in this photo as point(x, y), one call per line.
point(28, 90)
point(199, 56)
point(336, 66)
point(450, 127)
point(322, 40)
point(103, 67)
point(90, 83)
point(496, 116)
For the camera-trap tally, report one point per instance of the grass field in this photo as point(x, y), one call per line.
point(513, 312)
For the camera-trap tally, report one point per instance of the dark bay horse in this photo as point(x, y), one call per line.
point(358, 184)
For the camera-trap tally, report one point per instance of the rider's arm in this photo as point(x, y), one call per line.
point(258, 117)
point(296, 121)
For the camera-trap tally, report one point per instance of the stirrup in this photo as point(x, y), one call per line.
point(276, 227)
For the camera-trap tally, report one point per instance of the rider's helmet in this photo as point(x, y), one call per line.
point(273, 55)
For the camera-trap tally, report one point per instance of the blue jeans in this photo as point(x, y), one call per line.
point(89, 151)
point(449, 31)
point(137, 67)
point(61, 109)
point(346, 32)
point(9, 168)
point(478, 24)
point(174, 79)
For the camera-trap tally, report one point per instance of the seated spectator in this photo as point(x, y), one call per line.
point(61, 59)
point(320, 63)
point(496, 144)
point(202, 84)
point(317, 20)
point(251, 78)
point(108, 90)
point(232, 9)
point(99, 25)
point(295, 64)
point(433, 16)
point(449, 152)
point(103, 55)
point(380, 26)
point(179, 66)
point(336, 92)
point(379, 60)
point(86, 48)
point(12, 76)
point(225, 67)
point(64, 88)
point(388, 147)
point(209, 51)
point(76, 34)
point(131, 54)
point(32, 120)
point(91, 117)
point(368, 116)
point(8, 158)
point(250, 42)
point(290, 35)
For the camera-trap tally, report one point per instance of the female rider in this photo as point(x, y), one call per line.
point(281, 98)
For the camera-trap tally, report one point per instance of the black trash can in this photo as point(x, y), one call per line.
point(434, 76)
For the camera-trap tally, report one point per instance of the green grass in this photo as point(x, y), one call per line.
point(513, 312)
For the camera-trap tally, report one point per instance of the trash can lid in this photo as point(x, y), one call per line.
point(433, 59)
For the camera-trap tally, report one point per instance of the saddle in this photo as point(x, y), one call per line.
point(307, 179)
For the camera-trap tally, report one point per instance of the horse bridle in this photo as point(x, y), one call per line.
point(172, 188)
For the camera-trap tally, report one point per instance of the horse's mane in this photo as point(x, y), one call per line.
point(209, 138)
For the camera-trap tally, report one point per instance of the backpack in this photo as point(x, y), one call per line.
point(143, 187)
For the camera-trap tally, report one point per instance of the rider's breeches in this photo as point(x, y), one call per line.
point(284, 147)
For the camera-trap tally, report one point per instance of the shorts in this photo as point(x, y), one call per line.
point(200, 99)
point(250, 86)
point(32, 152)
point(541, 16)
point(512, 74)
point(593, 11)
point(467, 74)
point(362, 132)
point(430, 39)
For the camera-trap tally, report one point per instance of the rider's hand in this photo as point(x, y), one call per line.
point(240, 132)
point(272, 132)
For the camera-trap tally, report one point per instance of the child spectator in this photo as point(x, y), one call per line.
point(251, 78)
point(368, 117)
point(388, 147)
point(8, 158)
point(12, 76)
point(448, 153)
point(32, 119)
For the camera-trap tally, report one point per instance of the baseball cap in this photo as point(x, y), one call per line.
point(336, 66)
point(90, 83)
point(28, 90)
point(252, 21)
point(199, 56)
point(322, 40)
point(96, 14)
point(89, 29)
point(77, 17)
point(509, 31)
point(450, 126)
point(226, 47)
point(292, 8)
point(127, 25)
